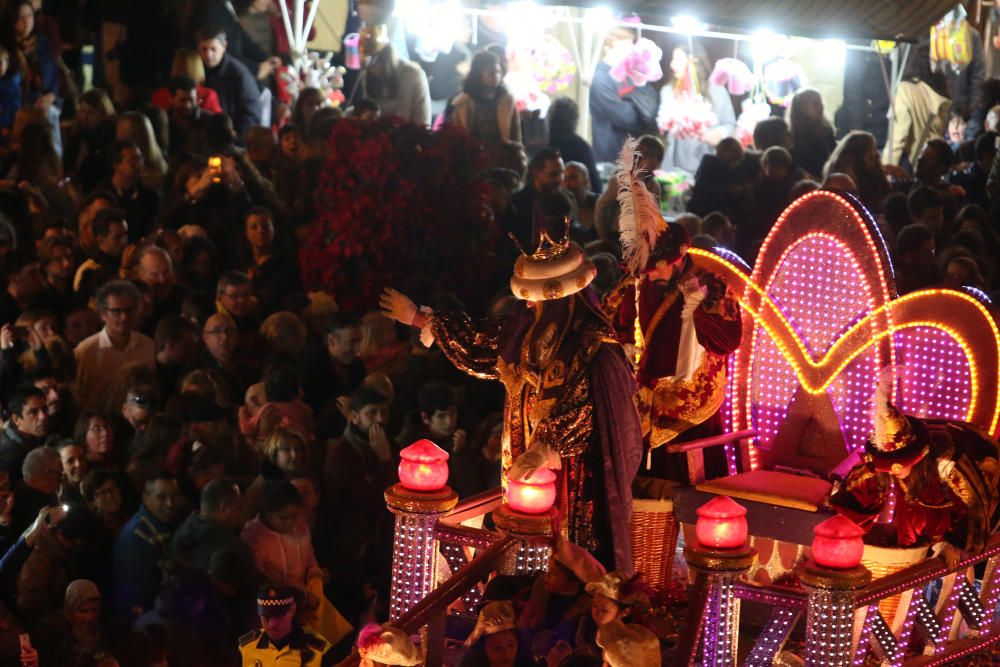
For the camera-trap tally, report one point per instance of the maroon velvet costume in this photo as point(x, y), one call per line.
point(669, 407)
point(958, 503)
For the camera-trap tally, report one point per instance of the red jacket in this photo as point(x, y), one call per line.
point(208, 100)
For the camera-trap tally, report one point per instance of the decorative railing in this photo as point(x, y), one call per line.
point(427, 617)
point(926, 614)
point(431, 612)
point(961, 621)
point(458, 543)
point(431, 527)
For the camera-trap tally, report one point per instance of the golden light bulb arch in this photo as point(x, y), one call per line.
point(968, 320)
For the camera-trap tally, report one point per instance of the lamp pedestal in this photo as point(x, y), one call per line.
point(830, 617)
point(716, 571)
point(532, 532)
point(414, 549)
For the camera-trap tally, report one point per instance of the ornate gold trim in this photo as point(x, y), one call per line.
point(814, 576)
point(514, 522)
point(401, 499)
point(716, 561)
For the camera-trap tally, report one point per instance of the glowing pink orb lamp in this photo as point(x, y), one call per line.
point(424, 467)
point(722, 524)
point(837, 543)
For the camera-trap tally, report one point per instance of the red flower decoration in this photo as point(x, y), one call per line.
point(399, 203)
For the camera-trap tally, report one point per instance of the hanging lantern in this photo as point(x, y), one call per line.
point(722, 524)
point(424, 467)
point(533, 495)
point(837, 543)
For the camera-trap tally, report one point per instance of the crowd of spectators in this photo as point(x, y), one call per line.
point(184, 422)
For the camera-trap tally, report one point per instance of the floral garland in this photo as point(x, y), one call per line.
point(639, 63)
point(399, 205)
point(688, 116)
point(546, 60)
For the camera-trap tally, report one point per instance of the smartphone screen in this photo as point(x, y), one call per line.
point(215, 164)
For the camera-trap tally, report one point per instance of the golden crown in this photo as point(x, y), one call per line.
point(547, 249)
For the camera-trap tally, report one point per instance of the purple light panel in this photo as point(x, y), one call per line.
point(727, 413)
point(822, 291)
point(936, 380)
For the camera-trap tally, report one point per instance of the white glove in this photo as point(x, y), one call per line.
point(537, 457)
point(397, 306)
point(693, 294)
point(426, 332)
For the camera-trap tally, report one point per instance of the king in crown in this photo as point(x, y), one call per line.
point(568, 388)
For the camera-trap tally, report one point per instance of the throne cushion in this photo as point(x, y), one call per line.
point(769, 486)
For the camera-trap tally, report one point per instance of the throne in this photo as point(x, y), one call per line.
point(821, 320)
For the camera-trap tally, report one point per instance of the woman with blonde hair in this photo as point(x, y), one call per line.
point(285, 453)
point(188, 63)
point(135, 127)
point(42, 322)
point(286, 449)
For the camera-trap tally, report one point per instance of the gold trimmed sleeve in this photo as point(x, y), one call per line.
point(568, 427)
point(472, 348)
point(972, 530)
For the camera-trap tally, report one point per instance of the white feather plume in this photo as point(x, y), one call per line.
point(639, 219)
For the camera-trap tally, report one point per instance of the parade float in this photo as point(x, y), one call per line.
point(822, 321)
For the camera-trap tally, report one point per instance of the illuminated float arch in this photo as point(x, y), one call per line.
point(821, 318)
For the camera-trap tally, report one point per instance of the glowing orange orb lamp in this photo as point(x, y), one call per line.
point(534, 495)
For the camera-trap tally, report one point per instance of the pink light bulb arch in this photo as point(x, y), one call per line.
point(821, 313)
point(815, 287)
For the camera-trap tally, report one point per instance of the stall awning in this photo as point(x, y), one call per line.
point(843, 19)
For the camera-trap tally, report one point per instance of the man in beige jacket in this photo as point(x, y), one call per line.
point(920, 111)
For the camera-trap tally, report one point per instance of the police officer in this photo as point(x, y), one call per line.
point(281, 642)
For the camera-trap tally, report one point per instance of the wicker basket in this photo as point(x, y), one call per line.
point(883, 561)
point(654, 539)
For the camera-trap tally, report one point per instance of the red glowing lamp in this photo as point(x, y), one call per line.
point(534, 495)
point(837, 543)
point(424, 467)
point(722, 524)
